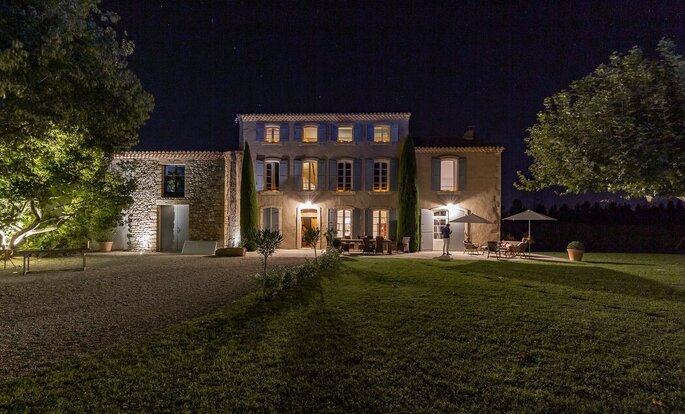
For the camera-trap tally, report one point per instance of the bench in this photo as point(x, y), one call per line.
point(28, 254)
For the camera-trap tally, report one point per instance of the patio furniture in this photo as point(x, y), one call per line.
point(379, 245)
point(392, 245)
point(405, 244)
point(366, 245)
point(6, 255)
point(28, 254)
point(471, 248)
point(492, 247)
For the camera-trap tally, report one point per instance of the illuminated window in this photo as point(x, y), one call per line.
point(311, 134)
point(381, 133)
point(380, 176)
point(270, 218)
point(344, 176)
point(344, 223)
point(309, 175)
point(272, 133)
point(440, 220)
point(448, 175)
point(345, 133)
point(380, 223)
point(271, 175)
point(174, 180)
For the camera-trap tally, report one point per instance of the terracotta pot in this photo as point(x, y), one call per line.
point(575, 255)
point(105, 246)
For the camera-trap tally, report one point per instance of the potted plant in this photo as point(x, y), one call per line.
point(575, 251)
point(105, 240)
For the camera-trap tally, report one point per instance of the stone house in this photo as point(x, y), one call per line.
point(312, 171)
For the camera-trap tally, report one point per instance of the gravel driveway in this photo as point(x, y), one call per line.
point(49, 315)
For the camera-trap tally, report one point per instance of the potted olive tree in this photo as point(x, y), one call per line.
point(575, 251)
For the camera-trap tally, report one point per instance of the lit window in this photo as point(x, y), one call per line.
point(381, 133)
point(271, 175)
point(174, 180)
point(448, 175)
point(270, 218)
point(380, 223)
point(344, 176)
point(344, 223)
point(345, 134)
point(380, 176)
point(309, 175)
point(311, 134)
point(440, 220)
point(272, 133)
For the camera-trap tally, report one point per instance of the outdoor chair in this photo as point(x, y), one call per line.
point(405, 244)
point(470, 248)
point(366, 245)
point(493, 248)
point(379, 244)
point(6, 256)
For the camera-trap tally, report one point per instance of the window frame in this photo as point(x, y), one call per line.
point(455, 174)
point(181, 178)
point(346, 126)
point(278, 217)
point(315, 163)
point(386, 127)
point(347, 180)
point(348, 223)
point(304, 133)
point(445, 217)
point(276, 174)
point(375, 228)
point(383, 185)
point(270, 139)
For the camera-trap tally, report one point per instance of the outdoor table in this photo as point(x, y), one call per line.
point(27, 254)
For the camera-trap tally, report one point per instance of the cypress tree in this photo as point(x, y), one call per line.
point(408, 197)
point(249, 211)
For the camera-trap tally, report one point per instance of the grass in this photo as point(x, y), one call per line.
point(408, 336)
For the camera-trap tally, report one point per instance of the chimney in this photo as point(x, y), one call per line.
point(469, 133)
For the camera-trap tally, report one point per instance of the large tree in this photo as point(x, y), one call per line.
point(249, 211)
point(408, 197)
point(619, 129)
point(68, 103)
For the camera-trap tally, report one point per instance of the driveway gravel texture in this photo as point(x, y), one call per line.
point(54, 313)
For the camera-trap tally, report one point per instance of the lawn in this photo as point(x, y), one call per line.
point(408, 336)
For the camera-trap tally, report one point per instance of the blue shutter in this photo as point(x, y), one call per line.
point(392, 223)
point(332, 218)
point(368, 222)
point(462, 174)
point(284, 132)
point(321, 175)
point(332, 175)
point(356, 222)
point(283, 179)
point(368, 174)
point(369, 132)
point(356, 175)
point(393, 174)
point(259, 174)
point(297, 174)
point(435, 174)
point(394, 132)
point(334, 132)
point(321, 134)
point(260, 132)
point(357, 133)
point(297, 132)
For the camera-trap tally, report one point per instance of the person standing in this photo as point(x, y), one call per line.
point(446, 231)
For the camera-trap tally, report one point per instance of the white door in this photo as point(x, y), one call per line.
point(426, 229)
point(173, 227)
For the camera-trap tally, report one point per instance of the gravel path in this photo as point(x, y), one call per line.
point(49, 315)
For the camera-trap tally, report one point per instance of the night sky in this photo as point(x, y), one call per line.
point(451, 64)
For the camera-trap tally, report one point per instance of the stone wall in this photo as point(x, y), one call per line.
point(142, 215)
point(204, 184)
point(233, 161)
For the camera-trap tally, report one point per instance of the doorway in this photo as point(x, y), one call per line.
point(173, 227)
point(309, 219)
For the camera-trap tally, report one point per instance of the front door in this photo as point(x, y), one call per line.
point(173, 227)
point(310, 220)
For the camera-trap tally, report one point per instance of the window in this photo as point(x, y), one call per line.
point(380, 176)
point(381, 133)
point(272, 133)
point(309, 175)
point(344, 223)
point(311, 134)
point(440, 220)
point(380, 223)
point(271, 169)
point(174, 180)
point(448, 175)
point(270, 218)
point(345, 133)
point(344, 176)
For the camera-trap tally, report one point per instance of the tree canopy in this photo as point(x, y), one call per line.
point(408, 212)
point(68, 103)
point(619, 129)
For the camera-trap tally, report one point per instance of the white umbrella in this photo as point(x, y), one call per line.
point(530, 215)
point(471, 218)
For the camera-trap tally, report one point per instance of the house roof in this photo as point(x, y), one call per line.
point(170, 155)
point(329, 117)
point(471, 148)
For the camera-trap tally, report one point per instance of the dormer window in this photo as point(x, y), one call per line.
point(311, 134)
point(345, 134)
point(381, 133)
point(272, 133)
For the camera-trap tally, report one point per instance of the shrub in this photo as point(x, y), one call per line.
point(329, 261)
point(312, 237)
point(308, 270)
point(576, 245)
point(288, 278)
point(270, 282)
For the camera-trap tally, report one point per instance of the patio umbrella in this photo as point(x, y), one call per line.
point(471, 218)
point(530, 215)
